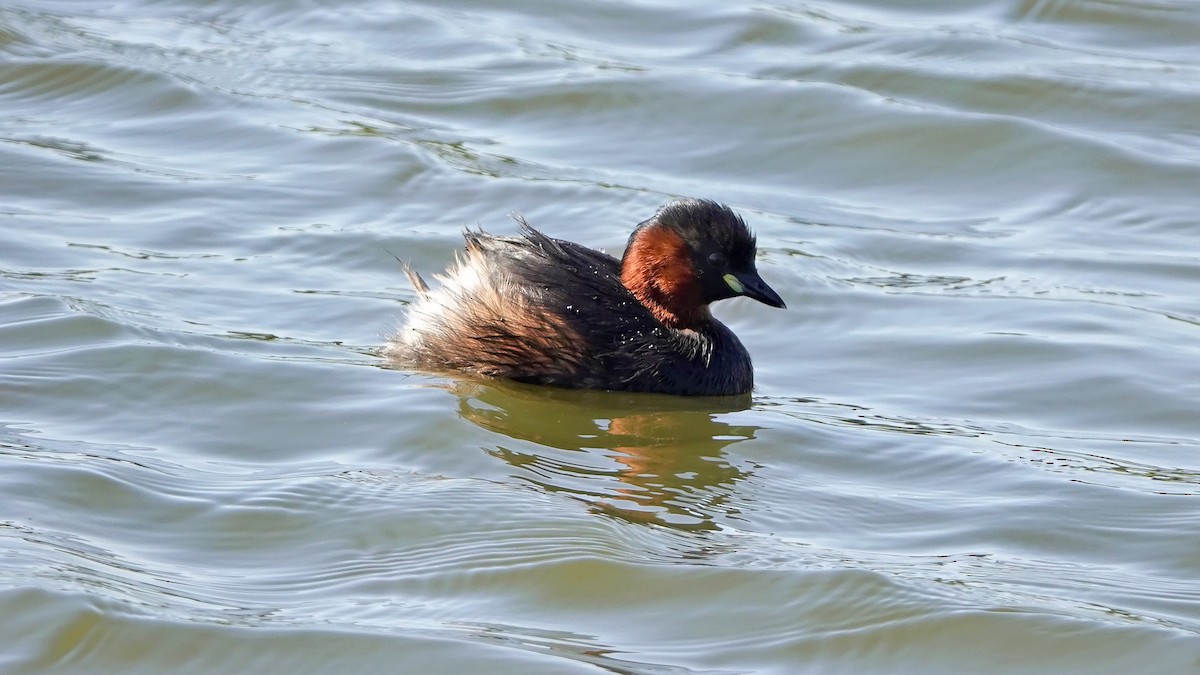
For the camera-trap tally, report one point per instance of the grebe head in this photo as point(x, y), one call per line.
point(691, 253)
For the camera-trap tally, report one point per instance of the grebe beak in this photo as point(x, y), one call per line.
point(751, 285)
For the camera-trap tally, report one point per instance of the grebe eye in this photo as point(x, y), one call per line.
point(716, 259)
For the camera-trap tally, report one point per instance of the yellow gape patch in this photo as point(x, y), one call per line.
point(734, 283)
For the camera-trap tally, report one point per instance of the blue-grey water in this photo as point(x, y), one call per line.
point(974, 444)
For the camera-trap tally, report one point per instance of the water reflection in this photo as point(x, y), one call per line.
point(639, 457)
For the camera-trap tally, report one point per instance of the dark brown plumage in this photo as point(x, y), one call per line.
point(536, 309)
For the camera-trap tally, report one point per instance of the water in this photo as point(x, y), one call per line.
point(973, 446)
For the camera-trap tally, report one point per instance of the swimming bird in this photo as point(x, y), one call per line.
point(536, 309)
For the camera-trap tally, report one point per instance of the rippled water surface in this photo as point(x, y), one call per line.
point(974, 443)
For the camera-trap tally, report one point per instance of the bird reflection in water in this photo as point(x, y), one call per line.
point(639, 457)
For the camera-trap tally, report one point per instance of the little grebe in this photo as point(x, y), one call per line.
point(547, 311)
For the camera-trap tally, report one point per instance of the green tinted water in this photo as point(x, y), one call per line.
point(972, 448)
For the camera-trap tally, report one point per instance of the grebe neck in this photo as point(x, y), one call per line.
point(659, 272)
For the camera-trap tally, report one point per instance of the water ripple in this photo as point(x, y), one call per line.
point(973, 442)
